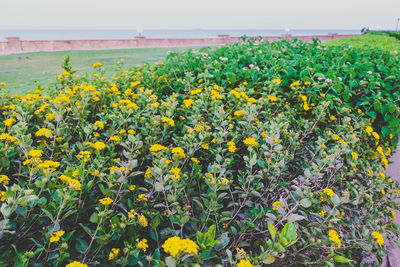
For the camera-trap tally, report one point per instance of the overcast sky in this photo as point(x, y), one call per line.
point(206, 14)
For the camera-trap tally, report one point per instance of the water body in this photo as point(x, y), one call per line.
point(127, 34)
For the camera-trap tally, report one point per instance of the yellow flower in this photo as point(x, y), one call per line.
point(369, 129)
point(147, 174)
point(195, 160)
point(335, 237)
point(178, 152)
point(175, 173)
point(9, 122)
point(276, 80)
point(239, 113)
point(250, 141)
point(49, 166)
point(393, 214)
point(2, 198)
point(3, 84)
point(142, 244)
point(169, 121)
point(142, 197)
point(56, 236)
point(84, 155)
point(4, 179)
point(61, 99)
point(132, 187)
point(382, 175)
point(322, 213)
point(106, 201)
point(73, 183)
point(333, 118)
point(113, 254)
point(276, 204)
point(196, 91)
point(244, 263)
point(370, 172)
point(99, 124)
point(36, 153)
point(379, 238)
point(175, 245)
point(205, 146)
point(296, 83)
point(97, 64)
point(335, 137)
point(273, 98)
point(50, 116)
point(157, 148)
point(329, 192)
point(44, 132)
point(115, 138)
point(98, 145)
point(142, 220)
point(188, 102)
point(223, 181)
point(76, 264)
point(131, 132)
point(231, 146)
point(376, 135)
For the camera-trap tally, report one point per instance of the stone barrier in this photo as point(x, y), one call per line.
point(14, 45)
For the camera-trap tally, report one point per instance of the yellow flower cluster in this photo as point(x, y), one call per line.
point(97, 64)
point(55, 237)
point(175, 245)
point(272, 98)
point(4, 179)
point(142, 244)
point(2, 198)
point(113, 254)
point(328, 192)
point(175, 173)
point(244, 263)
point(335, 237)
point(99, 124)
point(106, 201)
point(44, 132)
point(171, 122)
point(239, 113)
point(188, 102)
point(196, 91)
point(8, 138)
point(142, 220)
point(73, 183)
point(35, 153)
point(142, 197)
point(49, 166)
point(84, 155)
point(178, 152)
point(231, 146)
point(115, 138)
point(195, 160)
point(9, 122)
point(157, 148)
point(61, 99)
point(250, 141)
point(305, 103)
point(296, 83)
point(379, 238)
point(76, 264)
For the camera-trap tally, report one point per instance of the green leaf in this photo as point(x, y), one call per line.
point(170, 261)
point(341, 259)
point(305, 202)
point(289, 231)
point(81, 245)
point(272, 230)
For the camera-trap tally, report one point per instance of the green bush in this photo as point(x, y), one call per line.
point(248, 154)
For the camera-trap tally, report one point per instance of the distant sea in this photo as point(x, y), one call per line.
point(127, 34)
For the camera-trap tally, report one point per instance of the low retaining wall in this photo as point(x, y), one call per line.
point(16, 45)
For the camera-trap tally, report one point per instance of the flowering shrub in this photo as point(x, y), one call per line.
point(248, 154)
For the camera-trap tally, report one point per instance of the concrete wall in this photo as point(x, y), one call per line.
point(16, 45)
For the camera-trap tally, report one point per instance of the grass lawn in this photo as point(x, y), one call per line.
point(369, 40)
point(23, 72)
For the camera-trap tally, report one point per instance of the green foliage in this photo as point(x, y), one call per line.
point(369, 40)
point(253, 152)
